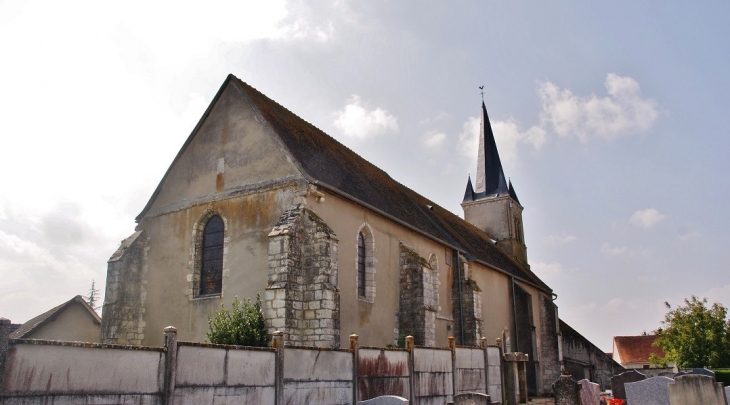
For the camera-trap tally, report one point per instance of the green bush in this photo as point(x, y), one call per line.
point(242, 325)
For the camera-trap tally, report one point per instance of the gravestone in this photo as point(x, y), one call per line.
point(694, 389)
point(652, 391)
point(471, 398)
point(385, 400)
point(699, 371)
point(727, 394)
point(567, 391)
point(618, 381)
point(590, 393)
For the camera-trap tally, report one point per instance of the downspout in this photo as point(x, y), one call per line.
point(457, 259)
point(514, 316)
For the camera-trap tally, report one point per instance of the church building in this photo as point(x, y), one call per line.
point(258, 200)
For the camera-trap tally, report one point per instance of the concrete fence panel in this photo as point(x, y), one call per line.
point(224, 375)
point(383, 372)
point(494, 373)
point(433, 376)
point(317, 376)
point(470, 373)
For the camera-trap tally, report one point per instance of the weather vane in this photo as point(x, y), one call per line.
point(481, 88)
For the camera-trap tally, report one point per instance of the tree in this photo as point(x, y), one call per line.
point(92, 297)
point(242, 325)
point(694, 335)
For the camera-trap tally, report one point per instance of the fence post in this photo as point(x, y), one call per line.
point(354, 348)
point(170, 363)
point(277, 343)
point(411, 365)
point(452, 347)
point(483, 344)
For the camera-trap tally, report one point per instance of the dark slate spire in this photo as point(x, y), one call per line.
point(512, 193)
point(469, 193)
point(490, 175)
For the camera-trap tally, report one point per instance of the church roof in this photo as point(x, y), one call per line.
point(36, 323)
point(331, 165)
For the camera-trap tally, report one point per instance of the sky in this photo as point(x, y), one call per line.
point(611, 119)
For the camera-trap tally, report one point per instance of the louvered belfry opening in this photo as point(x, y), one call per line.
point(211, 272)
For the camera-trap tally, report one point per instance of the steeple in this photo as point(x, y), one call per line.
point(491, 204)
point(490, 180)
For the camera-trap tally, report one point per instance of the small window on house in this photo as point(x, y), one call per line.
point(361, 255)
point(211, 269)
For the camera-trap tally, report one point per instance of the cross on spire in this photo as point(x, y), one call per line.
point(481, 90)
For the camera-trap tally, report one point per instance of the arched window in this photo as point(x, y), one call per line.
point(365, 264)
point(360, 265)
point(211, 266)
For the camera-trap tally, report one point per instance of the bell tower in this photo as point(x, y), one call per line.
point(491, 204)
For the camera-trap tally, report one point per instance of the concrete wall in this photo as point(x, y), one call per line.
point(494, 373)
point(317, 376)
point(42, 372)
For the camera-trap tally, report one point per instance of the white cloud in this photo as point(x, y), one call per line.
point(646, 218)
point(621, 113)
point(614, 250)
point(356, 121)
point(435, 139)
point(559, 239)
point(689, 235)
point(548, 270)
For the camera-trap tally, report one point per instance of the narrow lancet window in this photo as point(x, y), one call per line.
point(211, 270)
point(361, 252)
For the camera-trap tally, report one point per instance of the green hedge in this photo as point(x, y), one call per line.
point(722, 375)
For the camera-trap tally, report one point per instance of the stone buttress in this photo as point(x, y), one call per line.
point(302, 299)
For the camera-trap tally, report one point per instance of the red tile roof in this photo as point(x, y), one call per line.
point(636, 349)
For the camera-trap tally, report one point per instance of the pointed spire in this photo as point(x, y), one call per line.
point(469, 193)
point(490, 175)
point(512, 192)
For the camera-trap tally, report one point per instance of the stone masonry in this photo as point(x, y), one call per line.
point(417, 312)
point(466, 297)
point(302, 299)
point(123, 312)
point(549, 351)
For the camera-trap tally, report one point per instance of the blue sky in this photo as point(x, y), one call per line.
point(611, 120)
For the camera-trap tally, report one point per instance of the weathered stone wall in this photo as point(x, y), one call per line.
point(466, 301)
point(6, 328)
point(123, 311)
point(582, 359)
point(549, 351)
point(302, 299)
point(412, 308)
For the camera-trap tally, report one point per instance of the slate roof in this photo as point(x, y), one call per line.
point(489, 167)
point(333, 166)
point(635, 349)
point(36, 323)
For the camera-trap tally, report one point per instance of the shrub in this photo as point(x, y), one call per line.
point(242, 325)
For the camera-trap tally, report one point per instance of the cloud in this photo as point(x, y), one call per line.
point(646, 218)
point(356, 121)
point(507, 135)
point(614, 250)
point(689, 235)
point(550, 270)
point(434, 139)
point(559, 239)
point(621, 113)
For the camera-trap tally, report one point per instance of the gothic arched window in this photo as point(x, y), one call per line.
point(361, 255)
point(211, 266)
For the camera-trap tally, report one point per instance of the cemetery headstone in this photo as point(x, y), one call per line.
point(385, 400)
point(727, 394)
point(471, 398)
point(652, 391)
point(618, 381)
point(567, 391)
point(590, 393)
point(693, 389)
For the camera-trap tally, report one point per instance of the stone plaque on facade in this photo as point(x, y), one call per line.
point(652, 391)
point(618, 381)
